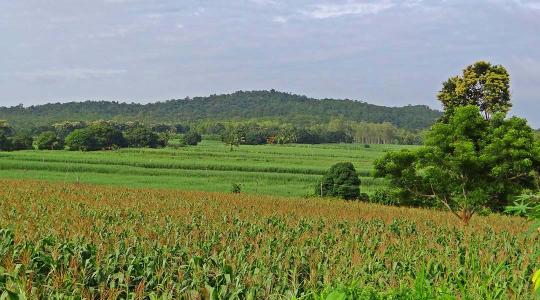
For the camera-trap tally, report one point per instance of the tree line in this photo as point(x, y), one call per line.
point(103, 135)
point(336, 131)
point(89, 136)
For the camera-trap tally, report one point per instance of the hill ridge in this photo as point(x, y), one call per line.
point(240, 105)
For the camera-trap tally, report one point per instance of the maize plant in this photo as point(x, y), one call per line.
point(96, 242)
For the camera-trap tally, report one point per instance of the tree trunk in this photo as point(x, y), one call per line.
point(466, 216)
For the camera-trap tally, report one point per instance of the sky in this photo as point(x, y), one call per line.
point(386, 52)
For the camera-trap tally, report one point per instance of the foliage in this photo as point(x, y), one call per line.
point(22, 141)
point(335, 131)
point(236, 188)
point(48, 140)
point(482, 84)
point(474, 158)
point(233, 137)
point(107, 136)
point(268, 132)
point(263, 105)
point(340, 181)
point(385, 197)
point(5, 142)
point(81, 140)
point(92, 242)
point(528, 205)
point(6, 131)
point(63, 129)
point(11, 140)
point(142, 137)
point(98, 136)
point(192, 138)
point(364, 197)
point(5, 128)
point(469, 163)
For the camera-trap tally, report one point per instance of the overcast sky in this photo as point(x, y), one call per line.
point(385, 52)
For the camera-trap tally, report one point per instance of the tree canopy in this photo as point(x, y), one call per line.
point(468, 163)
point(49, 140)
point(482, 84)
point(340, 181)
point(142, 137)
point(98, 136)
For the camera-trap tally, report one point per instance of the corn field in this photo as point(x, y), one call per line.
point(81, 241)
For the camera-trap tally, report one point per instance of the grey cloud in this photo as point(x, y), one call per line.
point(330, 10)
point(386, 52)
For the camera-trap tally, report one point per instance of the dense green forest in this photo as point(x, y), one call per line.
point(255, 105)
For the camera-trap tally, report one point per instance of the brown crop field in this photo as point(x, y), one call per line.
point(99, 242)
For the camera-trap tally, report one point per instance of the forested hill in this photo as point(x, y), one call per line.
point(237, 106)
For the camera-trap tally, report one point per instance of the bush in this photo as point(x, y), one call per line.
point(21, 141)
point(384, 197)
point(5, 143)
point(163, 139)
point(95, 137)
point(340, 181)
point(363, 197)
point(192, 138)
point(81, 140)
point(255, 138)
point(236, 188)
point(48, 140)
point(107, 136)
point(141, 137)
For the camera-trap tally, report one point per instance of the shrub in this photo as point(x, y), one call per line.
point(95, 137)
point(340, 181)
point(192, 138)
point(363, 197)
point(21, 141)
point(141, 136)
point(384, 197)
point(5, 143)
point(48, 140)
point(107, 136)
point(255, 138)
point(236, 188)
point(81, 140)
point(163, 139)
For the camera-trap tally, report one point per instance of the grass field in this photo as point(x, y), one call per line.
point(284, 170)
point(96, 242)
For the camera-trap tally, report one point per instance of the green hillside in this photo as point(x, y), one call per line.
point(241, 105)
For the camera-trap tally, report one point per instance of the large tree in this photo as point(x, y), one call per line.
point(482, 84)
point(98, 136)
point(142, 137)
point(233, 136)
point(49, 140)
point(468, 164)
point(474, 158)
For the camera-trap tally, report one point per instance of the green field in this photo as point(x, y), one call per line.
point(285, 170)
